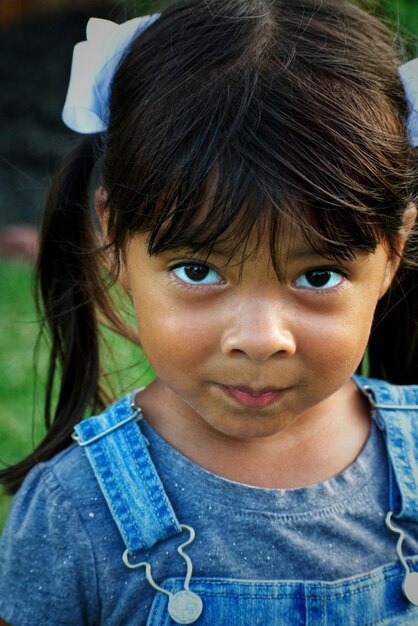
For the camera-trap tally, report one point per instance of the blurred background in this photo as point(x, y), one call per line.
point(36, 42)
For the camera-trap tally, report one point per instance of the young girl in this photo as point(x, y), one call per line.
point(255, 177)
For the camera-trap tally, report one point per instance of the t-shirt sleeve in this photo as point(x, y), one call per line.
point(47, 567)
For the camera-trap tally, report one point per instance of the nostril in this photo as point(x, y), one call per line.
point(259, 347)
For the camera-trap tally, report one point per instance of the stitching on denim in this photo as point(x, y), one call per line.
point(397, 448)
point(109, 485)
point(159, 498)
point(124, 518)
point(134, 440)
point(134, 530)
point(109, 482)
point(397, 444)
point(141, 464)
point(369, 581)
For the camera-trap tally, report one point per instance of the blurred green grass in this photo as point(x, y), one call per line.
point(21, 386)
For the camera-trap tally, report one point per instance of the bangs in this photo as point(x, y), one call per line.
point(238, 144)
point(235, 213)
point(232, 188)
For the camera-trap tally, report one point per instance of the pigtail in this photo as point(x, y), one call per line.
point(393, 344)
point(68, 276)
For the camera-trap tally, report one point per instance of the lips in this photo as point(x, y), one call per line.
point(254, 398)
point(254, 391)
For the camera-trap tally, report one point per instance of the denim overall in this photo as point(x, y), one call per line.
point(387, 595)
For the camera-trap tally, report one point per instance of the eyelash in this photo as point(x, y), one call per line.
point(324, 290)
point(186, 285)
point(199, 285)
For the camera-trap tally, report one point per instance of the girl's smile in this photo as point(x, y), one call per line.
point(241, 355)
point(252, 399)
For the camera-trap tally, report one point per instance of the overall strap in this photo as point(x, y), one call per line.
point(118, 454)
point(395, 410)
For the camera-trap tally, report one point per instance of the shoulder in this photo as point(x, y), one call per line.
point(66, 481)
point(46, 552)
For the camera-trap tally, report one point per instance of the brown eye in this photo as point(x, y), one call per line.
point(320, 279)
point(196, 273)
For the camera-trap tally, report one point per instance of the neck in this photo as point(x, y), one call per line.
point(319, 445)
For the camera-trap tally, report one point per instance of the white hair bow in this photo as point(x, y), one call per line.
point(409, 76)
point(93, 67)
point(96, 60)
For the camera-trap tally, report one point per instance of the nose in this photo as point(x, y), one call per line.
point(258, 330)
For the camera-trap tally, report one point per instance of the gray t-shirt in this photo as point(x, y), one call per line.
point(61, 553)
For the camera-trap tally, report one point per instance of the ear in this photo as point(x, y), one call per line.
point(102, 212)
point(396, 252)
point(409, 220)
point(100, 206)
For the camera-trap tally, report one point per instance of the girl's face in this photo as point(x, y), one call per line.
point(242, 353)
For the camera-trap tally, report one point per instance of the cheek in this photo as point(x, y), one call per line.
point(175, 335)
point(340, 340)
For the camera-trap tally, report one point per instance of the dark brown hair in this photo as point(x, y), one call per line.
point(284, 110)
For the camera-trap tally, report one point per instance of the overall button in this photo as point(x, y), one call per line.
point(185, 607)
